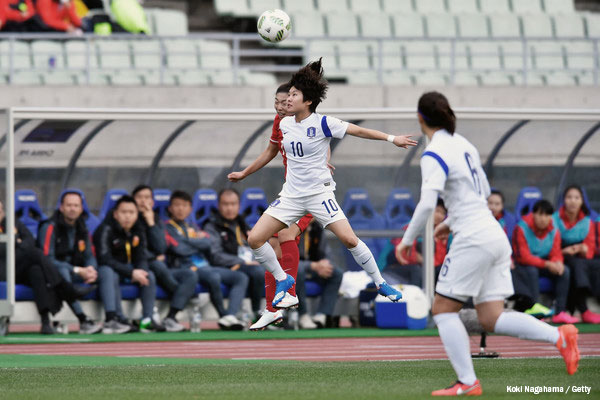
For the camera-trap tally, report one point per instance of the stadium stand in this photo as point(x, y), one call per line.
point(203, 204)
point(27, 208)
point(528, 196)
point(110, 199)
point(161, 202)
point(253, 202)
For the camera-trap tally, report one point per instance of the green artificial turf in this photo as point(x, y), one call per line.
point(72, 377)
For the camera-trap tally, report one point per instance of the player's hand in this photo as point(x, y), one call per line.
point(88, 274)
point(331, 168)
point(402, 253)
point(140, 276)
point(323, 268)
point(236, 176)
point(441, 232)
point(404, 141)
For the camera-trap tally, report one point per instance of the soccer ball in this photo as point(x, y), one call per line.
point(274, 26)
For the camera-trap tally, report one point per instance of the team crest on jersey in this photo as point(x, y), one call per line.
point(275, 203)
point(311, 132)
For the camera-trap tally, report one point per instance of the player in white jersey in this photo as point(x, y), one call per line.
point(309, 186)
point(478, 263)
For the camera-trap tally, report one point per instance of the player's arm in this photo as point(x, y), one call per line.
point(263, 159)
point(373, 134)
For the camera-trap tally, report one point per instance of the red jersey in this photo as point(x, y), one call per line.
point(277, 138)
point(55, 14)
point(522, 247)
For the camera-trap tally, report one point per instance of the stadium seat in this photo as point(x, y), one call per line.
point(526, 6)
point(77, 54)
point(431, 79)
point(585, 79)
point(147, 54)
point(484, 56)
point(335, 6)
point(430, 6)
point(231, 7)
point(91, 221)
point(110, 199)
point(375, 25)
point(126, 78)
point(559, 6)
point(60, 77)
point(533, 79)
point(153, 77)
point(463, 7)
point(258, 79)
point(399, 208)
point(399, 78)
point(362, 215)
point(560, 78)
point(537, 26)
point(47, 54)
point(397, 6)
point(204, 203)
point(494, 6)
point(440, 26)
point(444, 55)
point(214, 54)
point(193, 78)
point(22, 292)
point(253, 203)
point(28, 210)
point(496, 79)
point(223, 78)
point(465, 78)
point(512, 55)
point(526, 199)
point(308, 24)
point(312, 288)
point(181, 54)
point(342, 24)
point(546, 285)
point(505, 26)
point(294, 6)
point(592, 21)
point(408, 25)
point(326, 49)
point(170, 22)
point(510, 221)
point(392, 55)
point(21, 55)
point(129, 291)
point(580, 55)
point(26, 78)
point(365, 7)
point(569, 26)
point(419, 55)
point(547, 55)
point(354, 55)
point(363, 78)
point(472, 25)
point(95, 78)
point(161, 202)
point(114, 54)
point(257, 7)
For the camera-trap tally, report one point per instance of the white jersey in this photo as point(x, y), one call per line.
point(451, 166)
point(306, 144)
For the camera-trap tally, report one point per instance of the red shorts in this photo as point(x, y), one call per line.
point(302, 224)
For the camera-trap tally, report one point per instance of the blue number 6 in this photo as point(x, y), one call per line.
point(474, 173)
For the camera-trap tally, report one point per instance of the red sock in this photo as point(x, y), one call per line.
point(270, 289)
point(290, 256)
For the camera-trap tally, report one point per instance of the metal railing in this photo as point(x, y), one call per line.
point(445, 58)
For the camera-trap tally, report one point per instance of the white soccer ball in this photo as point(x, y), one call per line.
point(274, 26)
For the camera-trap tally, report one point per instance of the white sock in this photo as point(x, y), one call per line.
point(363, 256)
point(456, 342)
point(525, 326)
point(266, 256)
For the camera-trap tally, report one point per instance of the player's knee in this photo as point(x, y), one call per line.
point(350, 241)
point(255, 241)
point(488, 322)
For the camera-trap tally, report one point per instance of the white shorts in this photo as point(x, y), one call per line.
point(481, 271)
point(322, 206)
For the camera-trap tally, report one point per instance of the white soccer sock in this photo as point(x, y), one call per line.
point(525, 326)
point(363, 256)
point(266, 256)
point(456, 342)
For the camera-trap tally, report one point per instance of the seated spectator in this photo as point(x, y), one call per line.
point(120, 245)
point(315, 266)
point(15, 15)
point(230, 247)
point(406, 268)
point(578, 233)
point(180, 283)
point(190, 248)
point(58, 15)
point(34, 269)
point(537, 252)
point(65, 240)
point(496, 206)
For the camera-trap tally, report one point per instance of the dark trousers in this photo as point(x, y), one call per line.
point(330, 286)
point(585, 280)
point(180, 283)
point(211, 277)
point(403, 274)
point(256, 284)
point(526, 281)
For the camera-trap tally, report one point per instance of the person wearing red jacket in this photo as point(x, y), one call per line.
point(578, 237)
point(59, 15)
point(536, 250)
point(14, 13)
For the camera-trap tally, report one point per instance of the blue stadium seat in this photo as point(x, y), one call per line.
point(528, 196)
point(510, 221)
point(91, 221)
point(546, 285)
point(399, 208)
point(362, 215)
point(313, 289)
point(161, 202)
point(252, 204)
point(204, 203)
point(28, 210)
point(110, 199)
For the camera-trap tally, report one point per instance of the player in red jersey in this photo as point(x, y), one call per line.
point(285, 243)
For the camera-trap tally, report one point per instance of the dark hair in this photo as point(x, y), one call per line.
point(440, 203)
point(584, 207)
point(283, 88)
point(543, 207)
point(124, 199)
point(499, 193)
point(65, 194)
point(181, 195)
point(436, 111)
point(141, 187)
point(228, 190)
point(309, 80)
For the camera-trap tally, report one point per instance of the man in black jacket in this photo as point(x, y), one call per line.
point(120, 245)
point(180, 282)
point(230, 248)
point(65, 240)
point(34, 269)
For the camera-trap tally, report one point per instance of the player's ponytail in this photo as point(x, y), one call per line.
point(436, 112)
point(309, 80)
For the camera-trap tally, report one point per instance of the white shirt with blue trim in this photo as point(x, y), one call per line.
point(451, 166)
point(306, 145)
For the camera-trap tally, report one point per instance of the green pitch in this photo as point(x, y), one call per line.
point(76, 377)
